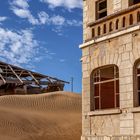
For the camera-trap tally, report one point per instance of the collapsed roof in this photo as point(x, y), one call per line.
point(12, 74)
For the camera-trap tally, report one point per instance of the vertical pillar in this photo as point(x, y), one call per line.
point(126, 95)
point(85, 93)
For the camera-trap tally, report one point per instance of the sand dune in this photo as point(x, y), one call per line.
point(51, 116)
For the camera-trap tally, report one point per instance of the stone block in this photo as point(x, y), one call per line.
point(126, 131)
point(126, 64)
point(85, 51)
point(121, 49)
point(126, 72)
point(125, 56)
point(126, 123)
point(126, 80)
point(128, 47)
point(126, 104)
point(85, 74)
point(85, 67)
point(126, 96)
point(126, 116)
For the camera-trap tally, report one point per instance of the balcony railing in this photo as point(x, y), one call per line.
point(116, 22)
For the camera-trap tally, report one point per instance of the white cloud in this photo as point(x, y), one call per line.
point(21, 4)
point(43, 17)
point(21, 9)
point(17, 47)
point(57, 20)
point(70, 4)
point(74, 22)
point(62, 60)
point(3, 19)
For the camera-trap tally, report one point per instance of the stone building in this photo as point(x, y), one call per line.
point(111, 70)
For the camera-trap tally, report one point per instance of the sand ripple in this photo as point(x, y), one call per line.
point(51, 116)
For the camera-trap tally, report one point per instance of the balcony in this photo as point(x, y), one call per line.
point(114, 23)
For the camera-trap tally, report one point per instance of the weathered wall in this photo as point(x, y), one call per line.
point(122, 51)
point(89, 12)
point(105, 125)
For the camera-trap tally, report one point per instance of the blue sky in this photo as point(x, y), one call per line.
point(43, 35)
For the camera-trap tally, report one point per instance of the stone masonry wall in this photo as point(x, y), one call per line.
point(89, 12)
point(122, 51)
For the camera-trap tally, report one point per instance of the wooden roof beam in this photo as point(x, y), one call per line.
point(15, 74)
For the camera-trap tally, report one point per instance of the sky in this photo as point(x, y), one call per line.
point(43, 36)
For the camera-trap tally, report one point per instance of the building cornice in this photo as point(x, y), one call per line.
point(110, 36)
point(93, 23)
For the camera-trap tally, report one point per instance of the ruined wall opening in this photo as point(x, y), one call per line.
point(101, 9)
point(105, 88)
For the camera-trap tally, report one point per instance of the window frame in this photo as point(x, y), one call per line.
point(98, 11)
point(93, 83)
point(135, 79)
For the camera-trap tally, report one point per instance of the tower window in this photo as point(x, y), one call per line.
point(133, 2)
point(101, 9)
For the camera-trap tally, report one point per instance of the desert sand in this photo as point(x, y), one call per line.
point(51, 116)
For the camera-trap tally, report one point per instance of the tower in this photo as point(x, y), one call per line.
point(111, 70)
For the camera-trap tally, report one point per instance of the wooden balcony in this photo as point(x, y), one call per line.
point(116, 22)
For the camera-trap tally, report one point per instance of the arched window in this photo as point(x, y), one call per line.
point(130, 19)
point(138, 16)
point(117, 24)
point(105, 88)
point(99, 31)
point(110, 26)
point(137, 84)
point(123, 22)
point(104, 28)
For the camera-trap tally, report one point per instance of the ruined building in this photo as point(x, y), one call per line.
point(111, 70)
point(16, 80)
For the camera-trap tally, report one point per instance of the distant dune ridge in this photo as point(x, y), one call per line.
point(50, 116)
